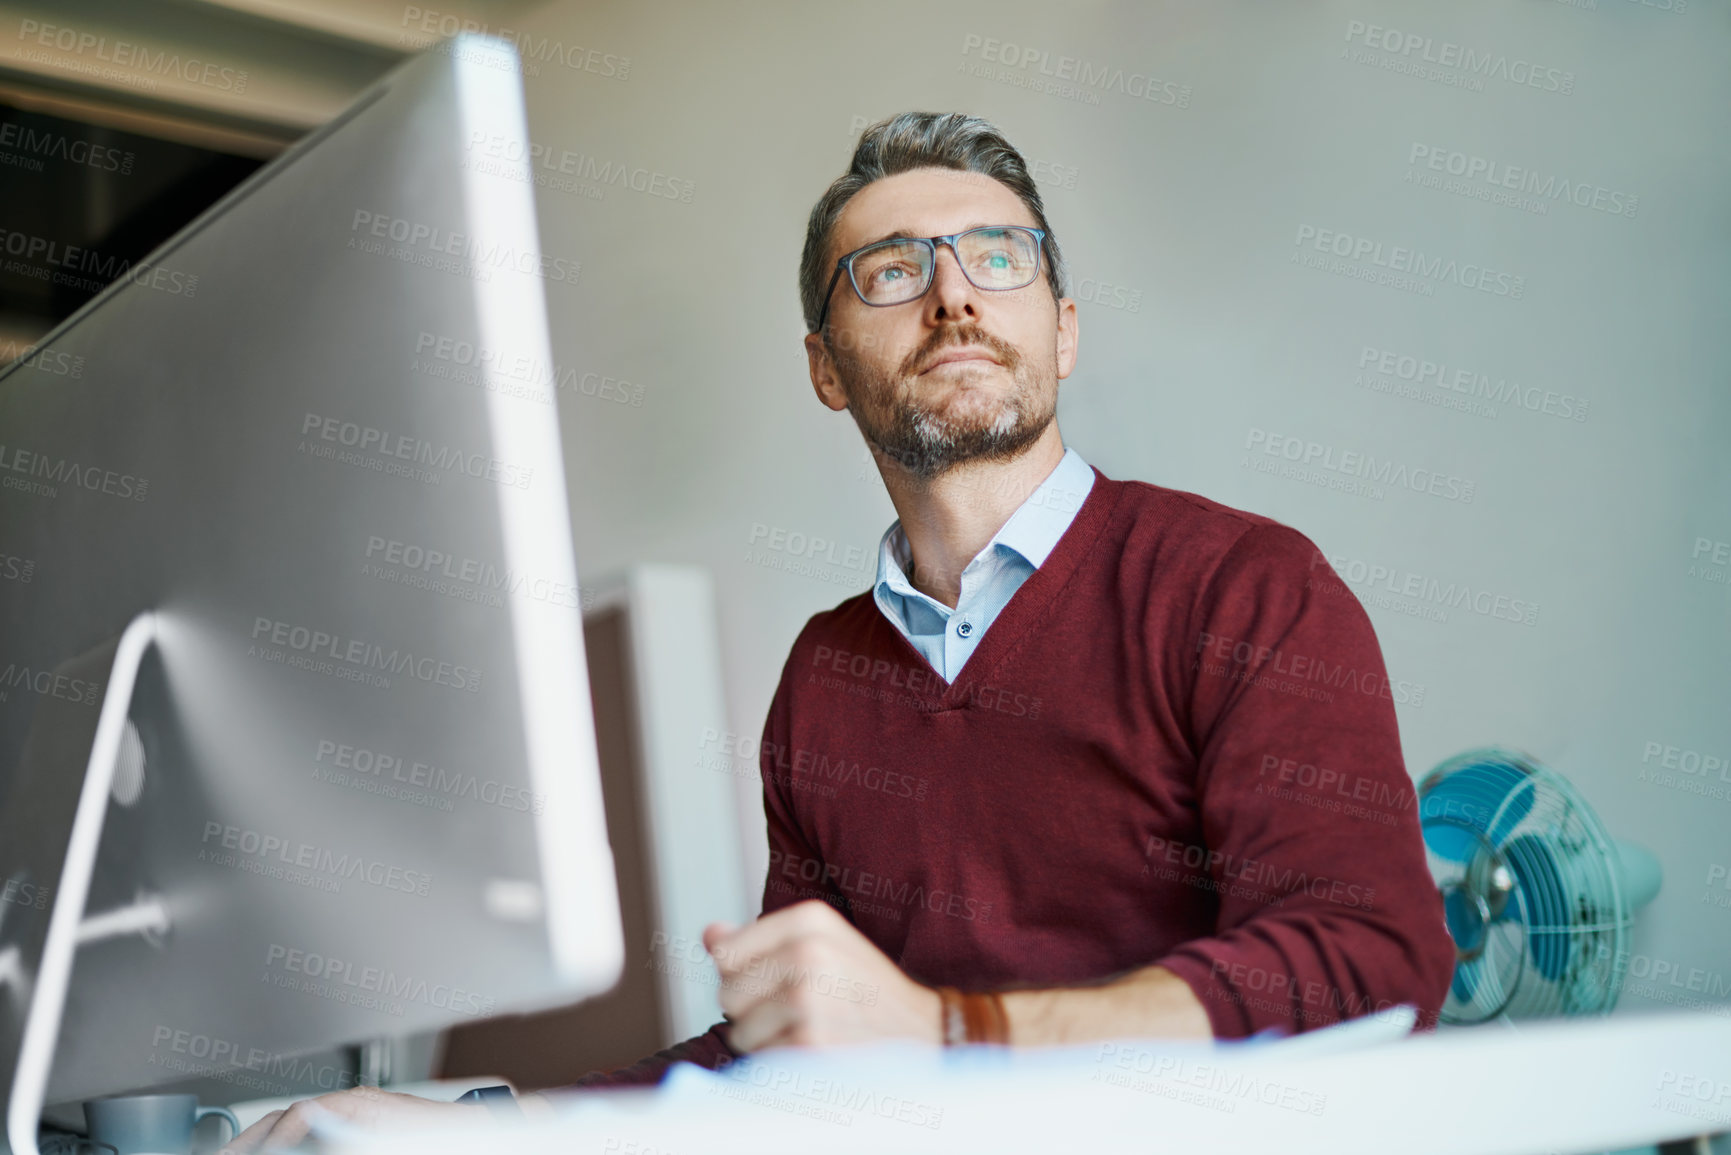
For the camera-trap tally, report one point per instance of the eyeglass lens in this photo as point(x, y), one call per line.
point(900, 270)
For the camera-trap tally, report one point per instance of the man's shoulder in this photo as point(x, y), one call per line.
point(853, 613)
point(1179, 522)
point(851, 627)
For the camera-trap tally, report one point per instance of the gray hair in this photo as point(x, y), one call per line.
point(919, 140)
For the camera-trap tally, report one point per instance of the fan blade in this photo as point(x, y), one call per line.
point(1465, 799)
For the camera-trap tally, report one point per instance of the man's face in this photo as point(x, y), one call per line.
point(961, 374)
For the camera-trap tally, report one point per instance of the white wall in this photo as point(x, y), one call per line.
point(1192, 209)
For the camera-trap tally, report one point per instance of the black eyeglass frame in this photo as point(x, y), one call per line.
point(845, 263)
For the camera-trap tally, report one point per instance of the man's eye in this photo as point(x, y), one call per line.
point(890, 274)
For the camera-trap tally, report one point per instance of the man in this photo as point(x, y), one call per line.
point(1092, 705)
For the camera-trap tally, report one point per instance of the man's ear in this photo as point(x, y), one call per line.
point(823, 378)
point(1067, 337)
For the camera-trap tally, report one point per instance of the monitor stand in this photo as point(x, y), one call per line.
point(50, 828)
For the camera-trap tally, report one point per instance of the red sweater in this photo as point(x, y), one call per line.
point(1175, 744)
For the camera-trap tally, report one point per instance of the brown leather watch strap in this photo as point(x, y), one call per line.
point(973, 1018)
point(986, 1020)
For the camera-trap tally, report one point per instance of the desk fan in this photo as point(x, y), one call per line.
point(1538, 897)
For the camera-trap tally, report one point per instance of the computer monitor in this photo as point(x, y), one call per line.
point(295, 737)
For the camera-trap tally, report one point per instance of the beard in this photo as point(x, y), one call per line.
point(929, 439)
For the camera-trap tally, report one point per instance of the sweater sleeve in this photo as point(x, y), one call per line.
point(1327, 910)
point(709, 1049)
point(788, 852)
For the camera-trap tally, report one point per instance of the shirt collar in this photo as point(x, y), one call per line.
point(1032, 530)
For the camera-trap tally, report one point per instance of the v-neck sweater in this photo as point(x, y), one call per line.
point(1177, 744)
point(946, 636)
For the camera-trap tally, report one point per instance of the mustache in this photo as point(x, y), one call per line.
point(959, 335)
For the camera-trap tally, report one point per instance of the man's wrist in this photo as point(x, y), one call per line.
point(1028, 1013)
point(934, 1017)
point(1152, 1002)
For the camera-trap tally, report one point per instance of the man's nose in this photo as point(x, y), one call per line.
point(952, 293)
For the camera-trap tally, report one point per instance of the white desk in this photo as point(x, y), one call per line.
point(1560, 1086)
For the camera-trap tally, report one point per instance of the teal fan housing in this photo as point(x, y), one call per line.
point(1538, 897)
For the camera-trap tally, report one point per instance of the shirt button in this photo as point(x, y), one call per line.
point(966, 629)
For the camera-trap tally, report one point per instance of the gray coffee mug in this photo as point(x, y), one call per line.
point(150, 1124)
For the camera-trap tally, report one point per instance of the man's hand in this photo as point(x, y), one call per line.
point(804, 976)
point(362, 1106)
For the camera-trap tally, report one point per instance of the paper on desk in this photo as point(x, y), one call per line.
point(898, 1062)
point(1386, 1026)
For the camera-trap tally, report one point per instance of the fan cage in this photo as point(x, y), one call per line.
point(1559, 944)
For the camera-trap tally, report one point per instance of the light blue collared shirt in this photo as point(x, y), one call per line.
point(947, 637)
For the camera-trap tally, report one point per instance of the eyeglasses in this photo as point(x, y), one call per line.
point(902, 269)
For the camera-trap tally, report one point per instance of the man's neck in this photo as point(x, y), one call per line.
point(949, 519)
